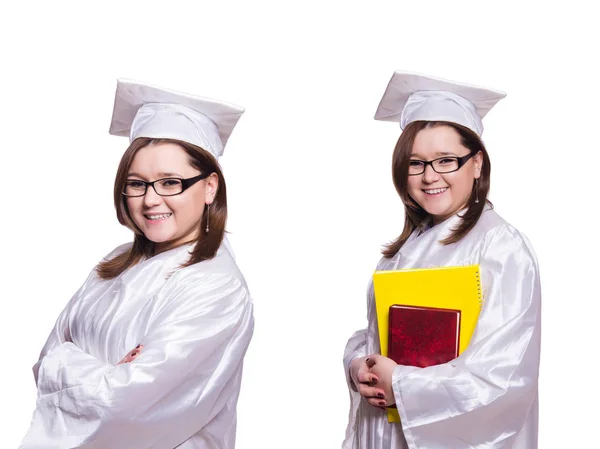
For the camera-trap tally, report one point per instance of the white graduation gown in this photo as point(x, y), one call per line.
point(488, 396)
point(181, 391)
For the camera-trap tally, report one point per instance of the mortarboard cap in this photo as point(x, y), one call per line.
point(143, 110)
point(411, 96)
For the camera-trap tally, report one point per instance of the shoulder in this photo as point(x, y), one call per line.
point(501, 239)
point(219, 273)
point(489, 221)
point(212, 288)
point(223, 264)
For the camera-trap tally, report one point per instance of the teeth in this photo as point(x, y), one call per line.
point(435, 191)
point(158, 217)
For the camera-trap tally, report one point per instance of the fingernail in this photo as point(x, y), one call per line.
point(367, 359)
point(380, 395)
point(138, 346)
point(374, 380)
point(382, 403)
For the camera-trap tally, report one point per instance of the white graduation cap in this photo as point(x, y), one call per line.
point(411, 96)
point(143, 110)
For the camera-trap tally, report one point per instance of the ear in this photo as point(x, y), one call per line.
point(478, 162)
point(211, 188)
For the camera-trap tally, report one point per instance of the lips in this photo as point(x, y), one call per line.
point(435, 191)
point(157, 217)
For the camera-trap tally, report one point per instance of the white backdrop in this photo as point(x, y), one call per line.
point(308, 175)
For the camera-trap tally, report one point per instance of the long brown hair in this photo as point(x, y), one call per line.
point(414, 214)
point(207, 244)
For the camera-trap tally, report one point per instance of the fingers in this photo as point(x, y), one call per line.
point(376, 402)
point(371, 392)
point(132, 355)
point(365, 376)
point(371, 361)
point(367, 389)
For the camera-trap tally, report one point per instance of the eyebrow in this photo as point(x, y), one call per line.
point(161, 175)
point(437, 154)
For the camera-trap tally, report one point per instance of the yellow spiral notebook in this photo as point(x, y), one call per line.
point(452, 288)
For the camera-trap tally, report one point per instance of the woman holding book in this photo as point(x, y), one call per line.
point(487, 397)
point(149, 351)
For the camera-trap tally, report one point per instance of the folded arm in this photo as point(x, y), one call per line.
point(184, 377)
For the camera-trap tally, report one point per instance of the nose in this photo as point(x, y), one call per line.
point(151, 198)
point(430, 175)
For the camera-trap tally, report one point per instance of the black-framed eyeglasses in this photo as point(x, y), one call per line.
point(163, 186)
point(446, 164)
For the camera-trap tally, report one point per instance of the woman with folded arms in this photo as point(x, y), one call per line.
point(149, 351)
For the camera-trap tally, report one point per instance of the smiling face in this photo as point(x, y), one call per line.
point(168, 221)
point(442, 195)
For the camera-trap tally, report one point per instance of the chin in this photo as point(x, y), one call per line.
point(438, 211)
point(434, 209)
point(157, 237)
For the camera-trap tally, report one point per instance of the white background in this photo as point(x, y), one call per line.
point(308, 175)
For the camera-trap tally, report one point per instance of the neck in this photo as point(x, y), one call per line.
point(167, 246)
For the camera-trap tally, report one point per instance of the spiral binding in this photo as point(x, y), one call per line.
point(479, 294)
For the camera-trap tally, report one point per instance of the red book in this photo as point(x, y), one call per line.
point(423, 336)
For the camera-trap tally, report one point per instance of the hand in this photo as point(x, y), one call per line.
point(365, 382)
point(131, 355)
point(383, 368)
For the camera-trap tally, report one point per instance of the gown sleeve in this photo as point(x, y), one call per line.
point(482, 398)
point(60, 332)
point(357, 347)
point(357, 344)
point(186, 374)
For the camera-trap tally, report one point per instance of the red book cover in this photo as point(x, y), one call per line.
point(423, 336)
